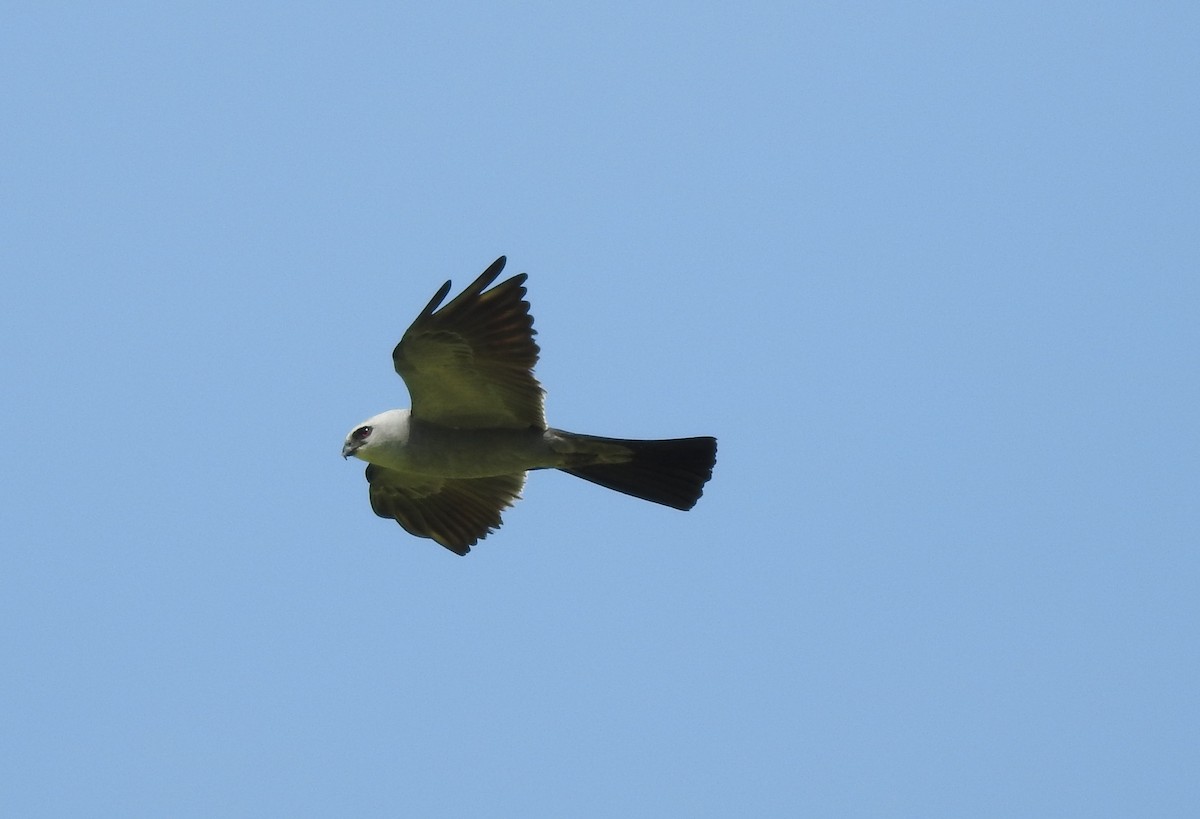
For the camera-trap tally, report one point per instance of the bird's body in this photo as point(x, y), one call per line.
point(411, 446)
point(446, 468)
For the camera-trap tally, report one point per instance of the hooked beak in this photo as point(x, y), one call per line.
point(349, 448)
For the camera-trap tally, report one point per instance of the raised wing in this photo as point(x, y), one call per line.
point(456, 512)
point(470, 364)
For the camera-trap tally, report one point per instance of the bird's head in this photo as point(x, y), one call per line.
point(358, 438)
point(372, 438)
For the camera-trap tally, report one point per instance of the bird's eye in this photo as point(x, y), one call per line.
point(361, 433)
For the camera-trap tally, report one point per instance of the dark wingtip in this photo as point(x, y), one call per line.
point(488, 276)
point(435, 301)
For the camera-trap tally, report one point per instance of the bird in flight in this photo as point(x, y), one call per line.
point(446, 468)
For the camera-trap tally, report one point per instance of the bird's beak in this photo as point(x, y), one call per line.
point(348, 449)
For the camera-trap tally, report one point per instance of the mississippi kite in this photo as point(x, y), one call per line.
point(446, 468)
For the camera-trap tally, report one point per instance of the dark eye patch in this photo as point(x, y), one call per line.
point(361, 433)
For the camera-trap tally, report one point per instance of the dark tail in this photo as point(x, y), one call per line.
point(671, 472)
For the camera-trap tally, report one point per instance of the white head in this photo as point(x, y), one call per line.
point(386, 428)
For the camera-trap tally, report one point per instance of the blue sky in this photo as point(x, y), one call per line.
point(929, 271)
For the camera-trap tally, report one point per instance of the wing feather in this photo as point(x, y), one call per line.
point(455, 512)
point(470, 363)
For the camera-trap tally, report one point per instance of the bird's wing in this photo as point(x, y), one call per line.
point(470, 364)
point(456, 512)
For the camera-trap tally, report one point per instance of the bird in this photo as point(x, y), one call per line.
point(447, 467)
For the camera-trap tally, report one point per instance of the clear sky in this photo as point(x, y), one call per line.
point(929, 271)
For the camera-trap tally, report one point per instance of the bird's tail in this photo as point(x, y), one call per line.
point(671, 472)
